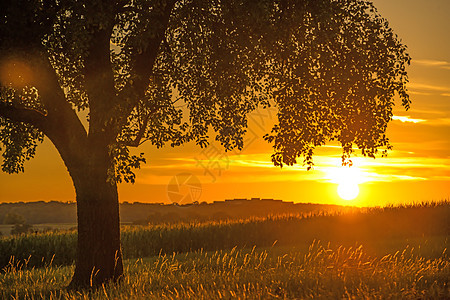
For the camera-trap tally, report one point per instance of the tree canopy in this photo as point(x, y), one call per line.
point(332, 68)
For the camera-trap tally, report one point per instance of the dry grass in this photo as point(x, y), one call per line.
point(382, 253)
point(319, 272)
point(376, 225)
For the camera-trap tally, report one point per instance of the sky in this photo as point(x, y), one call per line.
point(418, 169)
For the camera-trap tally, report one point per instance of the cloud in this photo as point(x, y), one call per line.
point(408, 119)
point(430, 121)
point(442, 121)
point(439, 122)
point(432, 63)
point(428, 117)
point(392, 169)
point(419, 93)
point(425, 89)
point(428, 111)
point(392, 177)
point(254, 168)
point(428, 87)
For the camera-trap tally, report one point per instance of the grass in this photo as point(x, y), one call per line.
point(392, 252)
point(318, 272)
point(376, 225)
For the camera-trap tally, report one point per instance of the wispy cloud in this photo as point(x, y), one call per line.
point(439, 122)
point(258, 172)
point(419, 93)
point(428, 87)
point(432, 63)
point(430, 117)
point(391, 169)
point(425, 89)
point(374, 177)
point(427, 111)
point(369, 170)
point(408, 119)
point(442, 121)
point(257, 167)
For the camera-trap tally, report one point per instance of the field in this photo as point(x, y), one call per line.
point(5, 230)
point(394, 252)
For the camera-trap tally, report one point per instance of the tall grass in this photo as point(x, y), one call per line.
point(376, 225)
point(318, 272)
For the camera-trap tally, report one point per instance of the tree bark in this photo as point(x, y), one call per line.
point(99, 256)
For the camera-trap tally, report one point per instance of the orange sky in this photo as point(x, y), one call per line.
point(417, 170)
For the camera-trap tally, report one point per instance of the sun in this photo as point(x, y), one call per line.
point(347, 179)
point(348, 190)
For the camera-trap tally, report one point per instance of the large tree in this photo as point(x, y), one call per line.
point(332, 67)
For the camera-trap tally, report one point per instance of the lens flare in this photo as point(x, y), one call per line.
point(15, 73)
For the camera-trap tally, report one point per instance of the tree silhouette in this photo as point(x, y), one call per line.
point(13, 218)
point(332, 67)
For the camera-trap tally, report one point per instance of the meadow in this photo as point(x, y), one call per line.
point(392, 252)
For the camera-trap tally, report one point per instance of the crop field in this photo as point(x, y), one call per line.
point(6, 229)
point(319, 272)
point(393, 252)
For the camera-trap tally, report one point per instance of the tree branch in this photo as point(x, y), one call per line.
point(60, 123)
point(62, 118)
point(26, 115)
point(142, 66)
point(137, 141)
point(98, 70)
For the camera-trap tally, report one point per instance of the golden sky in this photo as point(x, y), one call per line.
point(418, 169)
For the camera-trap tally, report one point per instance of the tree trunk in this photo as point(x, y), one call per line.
point(99, 256)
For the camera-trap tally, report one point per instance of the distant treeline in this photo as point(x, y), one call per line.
point(156, 213)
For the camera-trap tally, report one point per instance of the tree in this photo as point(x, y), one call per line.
point(170, 72)
point(21, 228)
point(13, 218)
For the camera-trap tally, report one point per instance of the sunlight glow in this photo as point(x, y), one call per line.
point(347, 179)
point(404, 119)
point(348, 190)
point(343, 174)
point(15, 73)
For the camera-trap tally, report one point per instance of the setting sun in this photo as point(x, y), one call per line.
point(347, 179)
point(348, 190)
